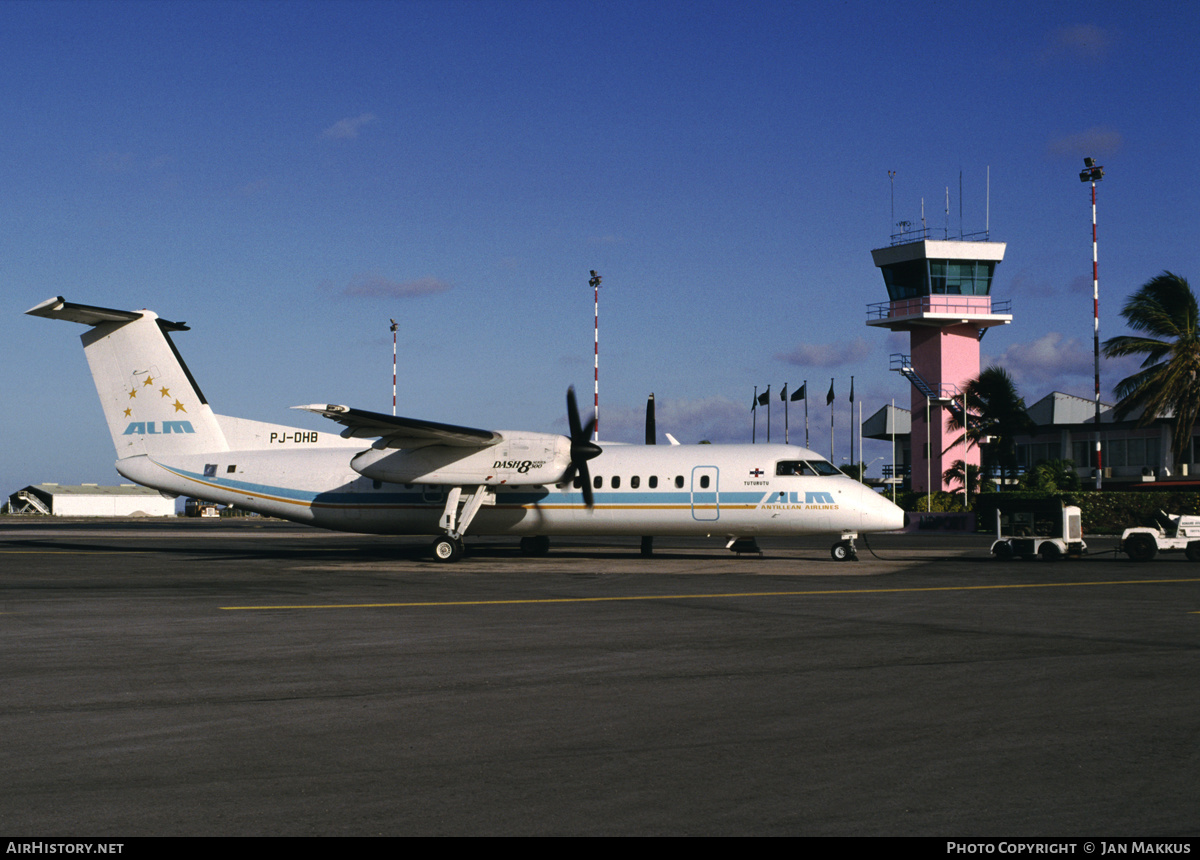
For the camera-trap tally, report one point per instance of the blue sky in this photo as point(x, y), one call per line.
point(287, 176)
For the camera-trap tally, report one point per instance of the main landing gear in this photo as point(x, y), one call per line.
point(449, 547)
point(844, 550)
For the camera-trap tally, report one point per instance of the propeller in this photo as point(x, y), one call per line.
point(582, 449)
point(648, 540)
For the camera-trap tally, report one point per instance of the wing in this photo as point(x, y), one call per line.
point(395, 432)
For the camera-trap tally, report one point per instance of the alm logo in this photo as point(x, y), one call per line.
point(147, 428)
point(818, 498)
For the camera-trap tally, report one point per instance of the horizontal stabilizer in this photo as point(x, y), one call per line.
point(59, 309)
point(396, 432)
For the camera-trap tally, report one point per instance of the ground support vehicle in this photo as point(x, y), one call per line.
point(1046, 530)
point(1170, 534)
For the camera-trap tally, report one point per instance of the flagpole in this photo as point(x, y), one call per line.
point(754, 422)
point(892, 421)
point(768, 414)
point(829, 402)
point(806, 413)
point(852, 421)
point(787, 439)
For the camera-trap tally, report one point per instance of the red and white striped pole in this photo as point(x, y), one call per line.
point(394, 326)
point(1093, 172)
point(594, 283)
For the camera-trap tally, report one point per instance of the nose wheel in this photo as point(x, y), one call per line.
point(844, 550)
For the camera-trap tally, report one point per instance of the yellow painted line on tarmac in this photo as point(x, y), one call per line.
point(715, 596)
point(68, 551)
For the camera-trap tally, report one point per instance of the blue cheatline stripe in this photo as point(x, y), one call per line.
point(664, 500)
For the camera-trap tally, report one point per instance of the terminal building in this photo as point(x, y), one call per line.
point(1064, 430)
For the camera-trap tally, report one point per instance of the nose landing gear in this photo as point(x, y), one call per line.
point(844, 550)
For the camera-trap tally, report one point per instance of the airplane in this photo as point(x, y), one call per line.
point(427, 478)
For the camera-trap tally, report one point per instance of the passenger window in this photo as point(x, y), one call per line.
point(704, 482)
point(635, 482)
point(679, 481)
point(597, 482)
point(577, 482)
point(654, 482)
point(616, 482)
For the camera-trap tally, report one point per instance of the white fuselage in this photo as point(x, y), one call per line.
point(731, 490)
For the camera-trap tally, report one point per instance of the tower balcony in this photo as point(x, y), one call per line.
point(940, 310)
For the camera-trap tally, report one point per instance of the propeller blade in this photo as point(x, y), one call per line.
point(573, 415)
point(650, 429)
point(582, 449)
point(585, 484)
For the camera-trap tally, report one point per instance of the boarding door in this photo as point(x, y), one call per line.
point(706, 495)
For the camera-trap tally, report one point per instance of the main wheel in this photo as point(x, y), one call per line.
point(1141, 547)
point(447, 549)
point(842, 551)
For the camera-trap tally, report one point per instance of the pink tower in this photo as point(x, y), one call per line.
point(940, 293)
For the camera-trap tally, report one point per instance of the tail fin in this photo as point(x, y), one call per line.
point(151, 402)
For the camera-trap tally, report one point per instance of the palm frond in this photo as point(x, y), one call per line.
point(1169, 380)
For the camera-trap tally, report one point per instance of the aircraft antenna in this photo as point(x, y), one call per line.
point(594, 283)
point(394, 327)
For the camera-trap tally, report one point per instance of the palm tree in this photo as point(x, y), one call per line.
point(997, 417)
point(955, 475)
point(1164, 310)
point(1052, 476)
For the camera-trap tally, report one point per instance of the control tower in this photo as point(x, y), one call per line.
point(939, 292)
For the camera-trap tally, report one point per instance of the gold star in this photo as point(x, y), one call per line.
point(149, 380)
point(179, 407)
point(128, 412)
point(164, 392)
point(132, 393)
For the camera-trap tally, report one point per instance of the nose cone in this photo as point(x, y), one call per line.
point(878, 513)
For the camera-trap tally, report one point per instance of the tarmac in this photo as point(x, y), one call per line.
point(248, 677)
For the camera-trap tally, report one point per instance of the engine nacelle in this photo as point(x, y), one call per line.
point(517, 459)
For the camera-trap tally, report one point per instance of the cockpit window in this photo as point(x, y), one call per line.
point(809, 468)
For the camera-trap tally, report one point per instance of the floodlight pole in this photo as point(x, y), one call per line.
point(1093, 172)
point(394, 327)
point(594, 283)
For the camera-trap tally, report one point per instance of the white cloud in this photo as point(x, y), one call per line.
point(1055, 362)
point(717, 419)
point(1098, 142)
point(826, 354)
point(347, 129)
point(377, 287)
point(1087, 42)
